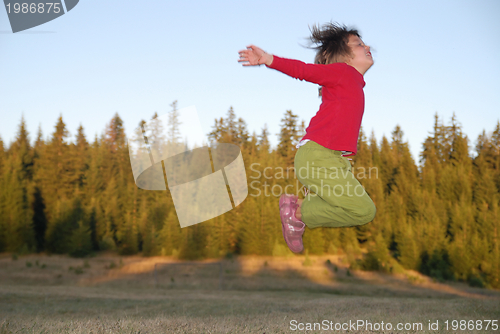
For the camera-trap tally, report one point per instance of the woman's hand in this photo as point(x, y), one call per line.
point(254, 55)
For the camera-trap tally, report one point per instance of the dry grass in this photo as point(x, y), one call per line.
point(107, 294)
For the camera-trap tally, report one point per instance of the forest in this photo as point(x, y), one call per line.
point(439, 215)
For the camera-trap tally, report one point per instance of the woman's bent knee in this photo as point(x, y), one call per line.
point(367, 214)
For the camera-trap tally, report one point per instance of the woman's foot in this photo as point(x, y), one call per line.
point(293, 228)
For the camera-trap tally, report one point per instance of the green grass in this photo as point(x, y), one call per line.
point(125, 300)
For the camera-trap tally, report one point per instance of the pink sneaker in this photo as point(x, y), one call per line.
point(293, 228)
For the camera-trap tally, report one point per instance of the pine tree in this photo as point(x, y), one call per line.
point(116, 172)
point(173, 125)
point(38, 205)
point(440, 140)
point(195, 244)
point(112, 211)
point(495, 143)
point(405, 175)
point(251, 226)
point(151, 228)
point(363, 156)
point(2, 154)
point(378, 256)
point(39, 220)
point(18, 193)
point(349, 244)
point(484, 189)
point(115, 150)
point(56, 175)
point(409, 254)
point(302, 129)
point(388, 165)
point(374, 149)
point(39, 144)
point(263, 143)
point(229, 130)
point(80, 240)
point(362, 171)
point(115, 134)
point(252, 147)
point(442, 219)
point(230, 127)
point(433, 156)
point(492, 262)
point(374, 183)
point(171, 236)
point(456, 178)
point(314, 241)
point(288, 137)
point(155, 134)
point(93, 190)
point(69, 224)
point(461, 230)
point(93, 221)
point(23, 151)
point(81, 160)
point(218, 131)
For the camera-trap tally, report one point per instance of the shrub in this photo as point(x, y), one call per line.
point(396, 268)
point(77, 270)
point(107, 243)
point(81, 243)
point(111, 265)
point(476, 281)
point(280, 250)
point(437, 265)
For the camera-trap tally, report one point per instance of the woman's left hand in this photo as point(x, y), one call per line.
point(254, 56)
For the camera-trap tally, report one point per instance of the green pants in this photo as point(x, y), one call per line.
point(336, 198)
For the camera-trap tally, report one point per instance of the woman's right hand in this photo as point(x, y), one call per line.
point(254, 56)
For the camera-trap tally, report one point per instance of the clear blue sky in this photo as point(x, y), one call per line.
point(136, 57)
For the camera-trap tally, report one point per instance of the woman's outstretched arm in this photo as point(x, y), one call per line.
point(324, 75)
point(254, 55)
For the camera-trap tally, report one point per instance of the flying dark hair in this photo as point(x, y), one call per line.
point(330, 41)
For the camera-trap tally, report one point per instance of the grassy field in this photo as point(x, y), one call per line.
point(109, 294)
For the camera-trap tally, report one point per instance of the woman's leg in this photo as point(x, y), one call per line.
point(298, 213)
point(336, 198)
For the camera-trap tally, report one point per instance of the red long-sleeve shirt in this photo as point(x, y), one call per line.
point(336, 124)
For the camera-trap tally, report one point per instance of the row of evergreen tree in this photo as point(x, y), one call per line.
point(440, 216)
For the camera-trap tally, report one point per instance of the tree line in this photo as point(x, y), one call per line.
point(439, 215)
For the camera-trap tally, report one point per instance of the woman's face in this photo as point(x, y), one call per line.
point(362, 58)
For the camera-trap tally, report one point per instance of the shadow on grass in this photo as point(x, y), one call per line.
point(277, 274)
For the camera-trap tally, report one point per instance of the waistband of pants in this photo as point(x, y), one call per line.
point(313, 143)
